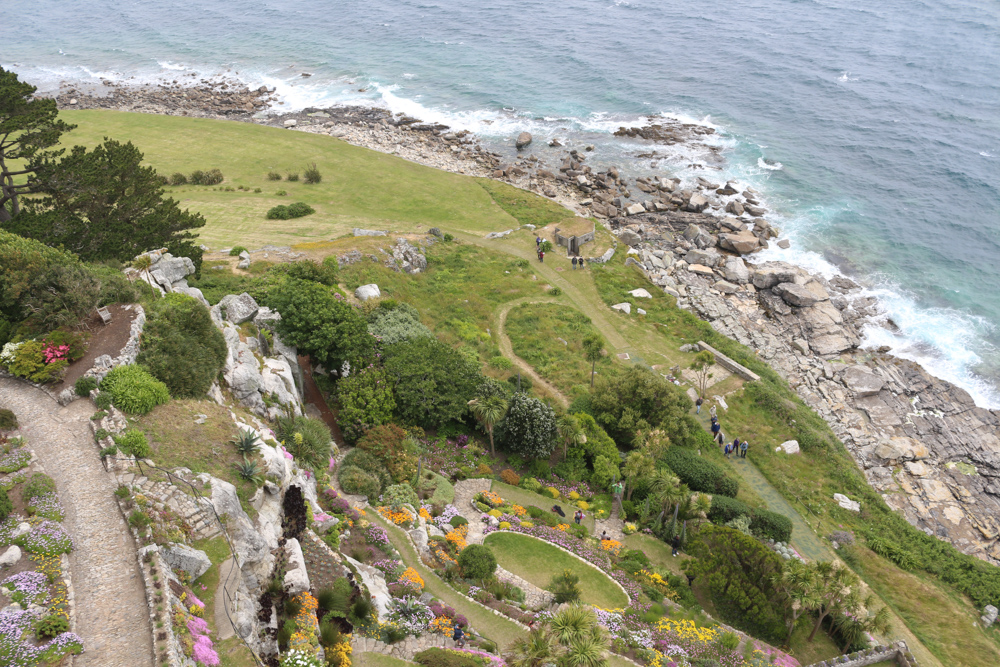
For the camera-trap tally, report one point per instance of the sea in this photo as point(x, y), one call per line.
point(872, 129)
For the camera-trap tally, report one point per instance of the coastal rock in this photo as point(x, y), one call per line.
point(641, 293)
point(772, 273)
point(900, 448)
point(628, 237)
point(734, 207)
point(788, 447)
point(726, 287)
point(700, 269)
point(625, 307)
point(847, 503)
point(755, 211)
point(188, 559)
point(795, 295)
point(743, 242)
point(697, 203)
point(703, 257)
point(522, 140)
point(736, 271)
point(862, 381)
point(698, 236)
point(238, 308)
point(635, 209)
point(366, 292)
point(784, 244)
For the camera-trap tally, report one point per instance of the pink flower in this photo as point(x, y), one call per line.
point(333, 463)
point(197, 626)
point(203, 651)
point(287, 455)
point(195, 601)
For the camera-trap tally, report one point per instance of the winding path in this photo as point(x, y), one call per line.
point(109, 598)
point(506, 349)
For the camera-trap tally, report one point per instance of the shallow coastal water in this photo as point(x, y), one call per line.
point(873, 129)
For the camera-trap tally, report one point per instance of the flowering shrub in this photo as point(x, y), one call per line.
point(490, 498)
point(614, 546)
point(518, 510)
point(629, 528)
point(583, 504)
point(297, 658)
point(456, 538)
point(27, 588)
point(441, 625)
point(202, 650)
point(425, 513)
point(15, 460)
point(52, 353)
point(9, 353)
point(562, 527)
point(392, 569)
point(504, 525)
point(16, 626)
point(443, 521)
point(495, 513)
point(340, 653)
point(412, 576)
point(46, 506)
point(553, 491)
point(411, 614)
point(376, 535)
point(306, 625)
point(47, 538)
point(573, 495)
point(400, 517)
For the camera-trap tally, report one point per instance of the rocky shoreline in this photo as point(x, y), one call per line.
point(921, 441)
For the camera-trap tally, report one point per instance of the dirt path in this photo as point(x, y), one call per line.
point(110, 602)
point(500, 323)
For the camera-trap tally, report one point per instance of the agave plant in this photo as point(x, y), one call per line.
point(246, 442)
point(248, 470)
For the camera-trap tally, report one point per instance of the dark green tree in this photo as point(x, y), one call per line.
point(103, 204)
point(637, 399)
point(593, 350)
point(366, 400)
point(29, 128)
point(322, 324)
point(433, 382)
point(529, 429)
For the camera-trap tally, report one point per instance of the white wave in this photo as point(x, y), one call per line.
point(773, 166)
point(985, 154)
point(846, 76)
point(166, 64)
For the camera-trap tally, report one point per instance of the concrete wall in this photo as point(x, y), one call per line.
point(729, 364)
point(872, 656)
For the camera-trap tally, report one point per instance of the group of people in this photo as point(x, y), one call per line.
point(736, 447)
point(577, 261)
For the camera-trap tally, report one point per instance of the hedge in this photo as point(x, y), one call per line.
point(699, 473)
point(763, 523)
point(134, 390)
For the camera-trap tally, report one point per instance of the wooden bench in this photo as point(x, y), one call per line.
point(105, 314)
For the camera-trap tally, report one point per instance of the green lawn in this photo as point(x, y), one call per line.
point(232, 652)
point(377, 660)
point(538, 562)
point(360, 187)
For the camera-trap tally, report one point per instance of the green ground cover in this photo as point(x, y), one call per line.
point(403, 195)
point(538, 562)
point(377, 660)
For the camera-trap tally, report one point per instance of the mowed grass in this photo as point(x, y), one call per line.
point(550, 338)
point(538, 562)
point(360, 187)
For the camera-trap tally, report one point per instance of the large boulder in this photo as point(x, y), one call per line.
point(277, 381)
point(635, 209)
point(789, 447)
point(407, 257)
point(366, 292)
point(248, 545)
point(11, 556)
point(187, 559)
point(736, 271)
point(862, 381)
point(522, 140)
point(901, 448)
point(238, 308)
point(698, 236)
point(697, 203)
point(703, 257)
point(734, 207)
point(641, 293)
point(770, 274)
point(296, 577)
point(193, 292)
point(245, 379)
point(628, 237)
point(625, 307)
point(742, 242)
point(167, 269)
point(795, 295)
point(847, 503)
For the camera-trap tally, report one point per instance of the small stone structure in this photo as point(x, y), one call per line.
point(573, 243)
point(872, 656)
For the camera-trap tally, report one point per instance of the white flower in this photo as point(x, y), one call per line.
point(9, 352)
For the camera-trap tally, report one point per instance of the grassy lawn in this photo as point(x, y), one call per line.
point(524, 498)
point(657, 551)
point(538, 562)
point(377, 660)
point(820, 648)
point(550, 338)
point(525, 207)
point(360, 187)
point(177, 441)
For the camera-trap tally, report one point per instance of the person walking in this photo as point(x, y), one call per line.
point(541, 256)
point(720, 438)
point(580, 262)
point(578, 517)
point(459, 636)
point(538, 242)
point(711, 411)
point(736, 445)
point(715, 427)
point(728, 451)
point(574, 263)
point(743, 449)
point(675, 545)
point(698, 405)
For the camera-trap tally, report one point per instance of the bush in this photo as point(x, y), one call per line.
point(177, 178)
point(763, 523)
point(273, 176)
point(531, 484)
point(85, 385)
point(457, 521)
point(508, 476)
point(306, 438)
point(699, 473)
point(477, 562)
point(393, 449)
point(357, 482)
point(281, 193)
point(397, 325)
point(235, 251)
point(312, 175)
point(433, 382)
point(324, 273)
point(133, 442)
point(8, 420)
point(565, 587)
point(181, 346)
point(29, 363)
point(51, 626)
point(39, 484)
point(197, 177)
point(134, 390)
point(529, 427)
point(213, 177)
point(102, 401)
point(6, 505)
point(292, 176)
point(441, 657)
point(370, 464)
point(398, 495)
point(366, 401)
point(296, 210)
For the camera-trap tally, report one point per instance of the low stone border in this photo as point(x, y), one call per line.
point(587, 562)
point(729, 364)
point(898, 652)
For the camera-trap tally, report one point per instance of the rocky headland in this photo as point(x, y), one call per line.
point(921, 441)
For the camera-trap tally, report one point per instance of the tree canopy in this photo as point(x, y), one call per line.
point(432, 381)
point(529, 429)
point(636, 399)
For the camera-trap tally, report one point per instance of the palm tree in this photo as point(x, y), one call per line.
point(570, 431)
point(593, 346)
point(833, 589)
point(537, 649)
point(666, 489)
point(142, 264)
point(489, 411)
point(798, 583)
point(637, 465)
point(572, 623)
point(853, 624)
point(591, 650)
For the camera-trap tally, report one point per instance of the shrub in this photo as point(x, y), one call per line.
point(457, 521)
point(389, 444)
point(181, 346)
point(50, 626)
point(763, 523)
point(273, 176)
point(477, 562)
point(213, 177)
point(133, 442)
point(433, 382)
point(197, 177)
point(357, 482)
point(370, 464)
point(565, 587)
point(501, 363)
point(103, 400)
point(6, 505)
point(699, 473)
point(134, 390)
point(39, 484)
point(396, 325)
point(281, 193)
point(555, 291)
point(531, 484)
point(306, 438)
point(29, 363)
point(292, 176)
point(312, 175)
point(8, 420)
point(398, 495)
point(85, 385)
point(296, 210)
point(177, 178)
point(441, 657)
point(508, 476)
point(236, 250)
point(366, 401)
point(529, 427)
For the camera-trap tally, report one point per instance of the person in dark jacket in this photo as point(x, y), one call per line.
point(459, 636)
point(698, 403)
point(574, 262)
point(675, 545)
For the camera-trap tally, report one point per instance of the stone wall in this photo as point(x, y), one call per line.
point(729, 364)
point(873, 656)
point(570, 242)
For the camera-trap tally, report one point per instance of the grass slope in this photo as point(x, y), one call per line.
point(538, 562)
point(360, 187)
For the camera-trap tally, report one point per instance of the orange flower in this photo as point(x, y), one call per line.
point(563, 527)
point(412, 576)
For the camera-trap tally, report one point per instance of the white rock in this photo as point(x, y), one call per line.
point(182, 557)
point(789, 447)
point(640, 311)
point(11, 556)
point(641, 293)
point(847, 503)
point(238, 308)
point(366, 292)
point(625, 307)
point(635, 209)
point(291, 122)
point(296, 577)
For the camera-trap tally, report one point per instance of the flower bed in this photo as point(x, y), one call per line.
point(455, 458)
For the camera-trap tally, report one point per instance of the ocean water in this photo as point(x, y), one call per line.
point(873, 129)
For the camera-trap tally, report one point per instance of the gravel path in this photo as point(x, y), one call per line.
point(465, 491)
point(110, 602)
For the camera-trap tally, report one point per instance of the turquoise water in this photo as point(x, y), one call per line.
point(872, 128)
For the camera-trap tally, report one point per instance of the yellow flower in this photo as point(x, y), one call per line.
point(563, 527)
point(553, 491)
point(425, 514)
point(583, 504)
point(505, 525)
point(518, 510)
point(614, 546)
point(412, 576)
point(527, 524)
point(573, 495)
point(495, 513)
